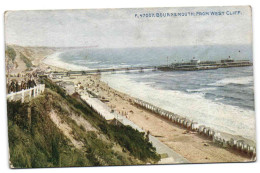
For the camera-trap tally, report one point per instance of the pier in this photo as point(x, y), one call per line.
point(196, 64)
point(128, 69)
point(193, 65)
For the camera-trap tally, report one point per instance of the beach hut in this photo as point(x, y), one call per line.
point(194, 126)
point(239, 145)
point(211, 133)
point(201, 128)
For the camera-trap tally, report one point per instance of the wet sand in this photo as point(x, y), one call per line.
point(192, 146)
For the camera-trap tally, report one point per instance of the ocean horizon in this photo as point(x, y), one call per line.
point(100, 58)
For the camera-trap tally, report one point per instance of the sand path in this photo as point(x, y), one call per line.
point(66, 130)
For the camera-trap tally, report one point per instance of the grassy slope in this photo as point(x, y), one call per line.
point(42, 144)
point(26, 60)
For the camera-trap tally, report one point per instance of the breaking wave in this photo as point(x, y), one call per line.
point(195, 106)
point(238, 80)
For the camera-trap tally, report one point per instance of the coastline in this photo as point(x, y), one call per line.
point(193, 106)
point(54, 62)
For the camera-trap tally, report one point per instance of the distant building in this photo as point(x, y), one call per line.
point(228, 60)
point(195, 61)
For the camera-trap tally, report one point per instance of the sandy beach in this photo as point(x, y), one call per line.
point(192, 146)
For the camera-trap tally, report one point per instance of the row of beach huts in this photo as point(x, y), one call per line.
point(221, 140)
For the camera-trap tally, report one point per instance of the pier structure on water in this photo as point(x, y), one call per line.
point(112, 70)
point(107, 70)
point(196, 64)
point(193, 65)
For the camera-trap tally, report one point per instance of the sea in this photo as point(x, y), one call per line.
point(222, 99)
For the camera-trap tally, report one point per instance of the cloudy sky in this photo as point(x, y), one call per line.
point(119, 28)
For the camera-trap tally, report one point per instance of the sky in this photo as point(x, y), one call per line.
point(121, 28)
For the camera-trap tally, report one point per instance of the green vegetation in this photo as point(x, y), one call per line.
point(131, 140)
point(40, 144)
point(127, 137)
point(26, 60)
point(35, 141)
point(10, 52)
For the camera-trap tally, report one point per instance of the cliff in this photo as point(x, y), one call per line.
point(58, 130)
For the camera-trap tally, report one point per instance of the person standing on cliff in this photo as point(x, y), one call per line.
point(33, 83)
point(22, 85)
point(147, 135)
point(29, 84)
point(16, 86)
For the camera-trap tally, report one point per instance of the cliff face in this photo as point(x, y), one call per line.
point(57, 130)
point(19, 59)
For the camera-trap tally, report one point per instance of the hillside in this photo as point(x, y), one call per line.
point(58, 130)
point(20, 59)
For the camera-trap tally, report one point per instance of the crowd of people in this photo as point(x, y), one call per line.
point(25, 75)
point(23, 82)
